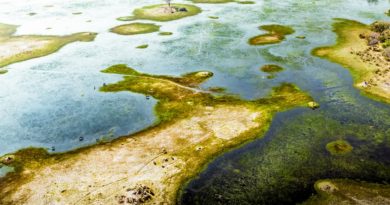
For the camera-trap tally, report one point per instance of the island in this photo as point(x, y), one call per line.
point(345, 192)
point(163, 12)
point(148, 167)
point(275, 34)
point(24, 47)
point(364, 50)
point(135, 28)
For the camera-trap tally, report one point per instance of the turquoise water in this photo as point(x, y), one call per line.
point(53, 101)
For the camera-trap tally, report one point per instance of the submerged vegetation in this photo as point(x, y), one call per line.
point(24, 47)
point(135, 28)
point(143, 46)
point(194, 126)
point(282, 168)
point(271, 68)
point(362, 49)
point(276, 34)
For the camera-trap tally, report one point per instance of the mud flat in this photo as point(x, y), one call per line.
point(148, 167)
point(342, 191)
point(24, 47)
point(367, 60)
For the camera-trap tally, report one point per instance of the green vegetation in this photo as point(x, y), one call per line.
point(346, 192)
point(162, 12)
point(276, 34)
point(25, 47)
point(287, 166)
point(246, 2)
point(180, 102)
point(165, 33)
point(143, 46)
point(135, 28)
point(3, 71)
point(214, 17)
point(212, 1)
point(126, 18)
point(271, 68)
point(339, 147)
point(313, 105)
point(358, 48)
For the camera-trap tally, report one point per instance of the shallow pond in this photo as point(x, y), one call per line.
point(53, 101)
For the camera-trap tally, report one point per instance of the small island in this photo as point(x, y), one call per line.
point(276, 34)
point(24, 47)
point(163, 12)
point(271, 69)
point(339, 147)
point(135, 28)
point(364, 50)
point(150, 166)
point(346, 192)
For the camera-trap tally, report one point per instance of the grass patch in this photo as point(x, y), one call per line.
point(339, 147)
point(276, 34)
point(345, 192)
point(165, 33)
point(161, 12)
point(143, 46)
point(271, 68)
point(212, 1)
point(135, 28)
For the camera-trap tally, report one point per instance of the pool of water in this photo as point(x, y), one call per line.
point(54, 100)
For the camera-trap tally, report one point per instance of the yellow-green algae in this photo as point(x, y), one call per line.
point(143, 46)
point(339, 147)
point(212, 1)
point(135, 28)
point(165, 33)
point(348, 192)
point(179, 98)
point(246, 2)
point(3, 71)
point(161, 12)
point(344, 52)
point(276, 34)
point(25, 47)
point(271, 68)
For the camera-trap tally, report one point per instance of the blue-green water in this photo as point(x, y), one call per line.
point(53, 101)
point(282, 167)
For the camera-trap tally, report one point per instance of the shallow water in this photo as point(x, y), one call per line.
point(282, 167)
point(54, 100)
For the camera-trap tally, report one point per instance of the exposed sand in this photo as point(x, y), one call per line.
point(19, 48)
point(148, 167)
point(348, 192)
point(370, 68)
point(103, 174)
